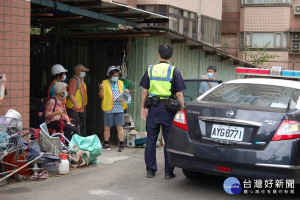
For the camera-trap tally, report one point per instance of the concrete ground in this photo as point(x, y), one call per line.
point(122, 176)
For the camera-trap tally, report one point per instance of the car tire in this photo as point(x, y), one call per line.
point(192, 174)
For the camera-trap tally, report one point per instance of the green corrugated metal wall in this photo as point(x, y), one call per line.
point(191, 63)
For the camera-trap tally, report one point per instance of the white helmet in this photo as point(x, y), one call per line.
point(113, 68)
point(11, 113)
point(57, 69)
point(14, 118)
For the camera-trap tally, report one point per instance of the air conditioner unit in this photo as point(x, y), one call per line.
point(296, 46)
point(296, 36)
point(297, 10)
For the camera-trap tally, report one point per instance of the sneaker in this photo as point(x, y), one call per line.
point(105, 147)
point(121, 148)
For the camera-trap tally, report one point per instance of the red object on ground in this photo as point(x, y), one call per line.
point(12, 158)
point(63, 156)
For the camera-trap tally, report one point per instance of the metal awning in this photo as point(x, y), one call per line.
point(69, 13)
point(174, 36)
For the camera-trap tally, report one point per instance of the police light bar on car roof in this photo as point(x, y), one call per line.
point(244, 70)
point(275, 71)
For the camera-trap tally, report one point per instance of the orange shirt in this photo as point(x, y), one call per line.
point(72, 86)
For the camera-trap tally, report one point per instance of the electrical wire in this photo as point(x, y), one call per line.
point(124, 70)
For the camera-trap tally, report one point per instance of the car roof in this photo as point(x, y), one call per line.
point(268, 81)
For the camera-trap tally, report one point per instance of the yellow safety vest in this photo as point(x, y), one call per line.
point(77, 95)
point(107, 101)
point(160, 76)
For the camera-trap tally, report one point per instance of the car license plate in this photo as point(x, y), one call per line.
point(227, 132)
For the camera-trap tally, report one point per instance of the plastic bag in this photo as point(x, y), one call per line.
point(91, 144)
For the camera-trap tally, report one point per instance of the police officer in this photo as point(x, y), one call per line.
point(160, 82)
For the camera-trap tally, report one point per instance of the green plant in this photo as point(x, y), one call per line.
point(35, 31)
point(38, 31)
point(260, 56)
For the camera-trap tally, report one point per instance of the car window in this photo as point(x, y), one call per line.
point(196, 86)
point(255, 95)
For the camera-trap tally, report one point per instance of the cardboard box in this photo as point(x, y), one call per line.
point(143, 134)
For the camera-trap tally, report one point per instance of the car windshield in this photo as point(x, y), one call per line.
point(268, 96)
point(194, 87)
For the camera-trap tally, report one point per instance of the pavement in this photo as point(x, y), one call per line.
point(122, 176)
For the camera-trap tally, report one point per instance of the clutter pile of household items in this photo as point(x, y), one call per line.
point(33, 154)
point(133, 138)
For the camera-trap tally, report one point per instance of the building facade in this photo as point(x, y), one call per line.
point(15, 55)
point(197, 19)
point(251, 24)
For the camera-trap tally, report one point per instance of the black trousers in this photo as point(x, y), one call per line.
point(77, 119)
point(158, 117)
point(69, 130)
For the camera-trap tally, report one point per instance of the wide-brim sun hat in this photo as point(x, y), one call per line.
point(80, 67)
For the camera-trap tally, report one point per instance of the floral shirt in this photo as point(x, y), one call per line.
point(60, 105)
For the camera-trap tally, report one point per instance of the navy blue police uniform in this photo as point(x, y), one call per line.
point(159, 116)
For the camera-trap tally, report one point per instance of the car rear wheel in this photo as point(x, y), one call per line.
point(192, 174)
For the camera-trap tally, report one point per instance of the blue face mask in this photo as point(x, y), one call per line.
point(65, 95)
point(210, 75)
point(114, 79)
point(82, 74)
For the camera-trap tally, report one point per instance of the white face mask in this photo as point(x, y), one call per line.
point(82, 74)
point(63, 78)
point(114, 79)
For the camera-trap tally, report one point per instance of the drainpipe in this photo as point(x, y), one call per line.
point(200, 21)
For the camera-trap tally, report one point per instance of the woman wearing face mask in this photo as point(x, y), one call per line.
point(113, 108)
point(56, 110)
point(77, 99)
point(59, 72)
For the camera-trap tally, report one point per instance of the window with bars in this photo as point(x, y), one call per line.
point(260, 39)
point(210, 30)
point(183, 21)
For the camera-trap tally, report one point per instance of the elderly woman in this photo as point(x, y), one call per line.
point(56, 110)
